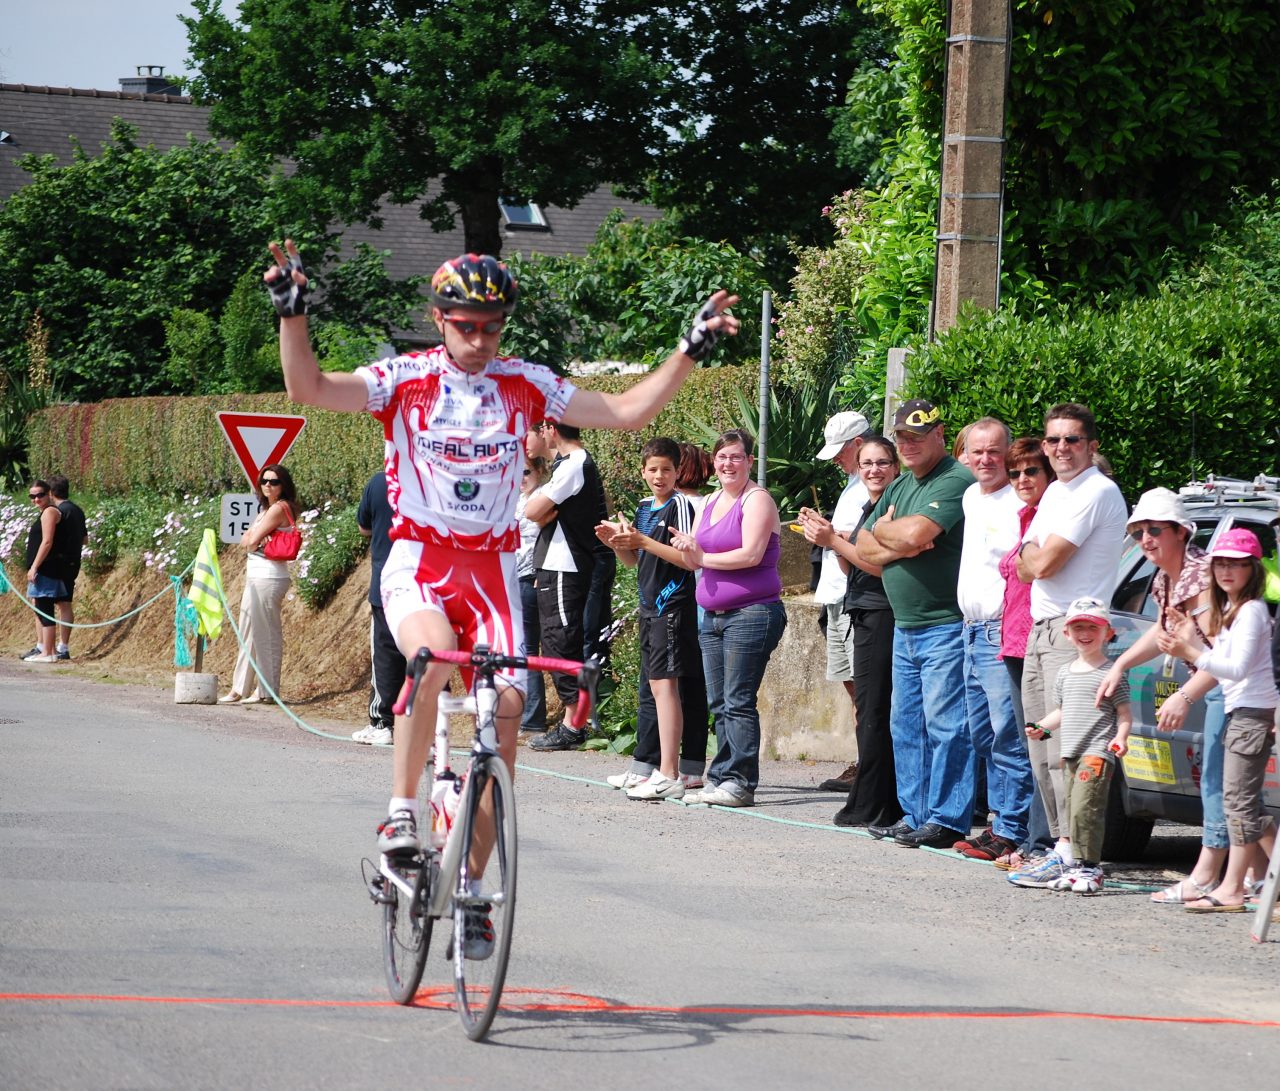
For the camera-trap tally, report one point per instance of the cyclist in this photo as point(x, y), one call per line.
point(455, 419)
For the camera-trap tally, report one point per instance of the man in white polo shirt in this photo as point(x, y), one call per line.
point(1070, 551)
point(843, 435)
point(990, 531)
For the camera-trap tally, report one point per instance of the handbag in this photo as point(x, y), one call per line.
point(283, 545)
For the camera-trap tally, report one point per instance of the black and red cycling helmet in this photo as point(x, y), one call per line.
point(474, 282)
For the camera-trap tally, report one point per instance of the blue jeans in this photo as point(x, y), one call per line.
point(995, 731)
point(534, 717)
point(932, 754)
point(1212, 751)
point(1039, 839)
point(736, 645)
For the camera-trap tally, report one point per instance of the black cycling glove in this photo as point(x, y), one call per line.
point(699, 341)
point(289, 297)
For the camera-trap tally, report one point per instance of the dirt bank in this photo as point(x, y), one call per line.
point(326, 652)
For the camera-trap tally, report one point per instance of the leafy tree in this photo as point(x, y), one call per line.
point(450, 103)
point(761, 85)
point(631, 296)
point(105, 248)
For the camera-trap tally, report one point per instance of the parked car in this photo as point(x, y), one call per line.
point(1160, 776)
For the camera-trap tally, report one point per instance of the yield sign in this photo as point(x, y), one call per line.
point(259, 439)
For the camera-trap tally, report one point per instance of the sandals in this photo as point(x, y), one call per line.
point(1214, 906)
point(1176, 895)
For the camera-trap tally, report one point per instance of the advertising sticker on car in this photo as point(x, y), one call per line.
point(1149, 759)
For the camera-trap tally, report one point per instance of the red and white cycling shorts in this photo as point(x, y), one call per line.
point(477, 591)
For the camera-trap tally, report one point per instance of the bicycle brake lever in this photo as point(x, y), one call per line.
point(412, 676)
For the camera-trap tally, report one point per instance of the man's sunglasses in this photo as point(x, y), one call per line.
point(468, 326)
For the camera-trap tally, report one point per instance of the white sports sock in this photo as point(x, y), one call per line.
point(403, 803)
point(61, 648)
point(1063, 849)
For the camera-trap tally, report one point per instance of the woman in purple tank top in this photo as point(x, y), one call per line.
point(736, 544)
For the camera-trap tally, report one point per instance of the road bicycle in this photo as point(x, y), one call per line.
point(436, 884)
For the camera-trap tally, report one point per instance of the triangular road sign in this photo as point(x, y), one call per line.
point(259, 439)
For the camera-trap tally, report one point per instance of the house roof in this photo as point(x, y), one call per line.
point(41, 121)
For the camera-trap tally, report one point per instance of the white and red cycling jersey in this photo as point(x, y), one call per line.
point(455, 443)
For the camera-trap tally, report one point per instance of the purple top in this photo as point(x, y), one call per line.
point(732, 589)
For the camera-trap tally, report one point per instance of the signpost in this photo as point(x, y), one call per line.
point(257, 440)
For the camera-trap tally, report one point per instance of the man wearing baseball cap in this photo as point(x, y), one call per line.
point(915, 534)
point(843, 435)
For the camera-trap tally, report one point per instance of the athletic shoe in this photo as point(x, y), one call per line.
point(32, 653)
point(1041, 873)
point(976, 841)
point(477, 943)
point(1083, 880)
point(64, 654)
point(41, 659)
point(843, 782)
point(718, 795)
point(657, 787)
point(692, 781)
point(373, 735)
point(625, 780)
point(230, 699)
point(561, 738)
point(398, 835)
point(992, 849)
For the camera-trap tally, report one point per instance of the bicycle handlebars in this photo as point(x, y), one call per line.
point(487, 662)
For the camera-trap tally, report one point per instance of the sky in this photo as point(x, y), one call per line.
point(91, 43)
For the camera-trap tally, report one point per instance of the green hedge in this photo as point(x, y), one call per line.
point(1182, 383)
point(174, 446)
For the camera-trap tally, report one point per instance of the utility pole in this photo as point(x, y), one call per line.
point(971, 204)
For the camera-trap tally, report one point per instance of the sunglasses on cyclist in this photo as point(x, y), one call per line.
point(1026, 471)
point(468, 326)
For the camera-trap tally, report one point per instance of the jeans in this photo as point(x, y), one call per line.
point(534, 717)
point(997, 736)
point(1213, 834)
point(932, 753)
point(736, 645)
point(1039, 839)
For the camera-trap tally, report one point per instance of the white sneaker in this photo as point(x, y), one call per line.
point(41, 659)
point(625, 780)
point(720, 796)
point(657, 787)
point(373, 735)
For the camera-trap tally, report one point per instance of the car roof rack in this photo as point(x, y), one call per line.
point(1233, 490)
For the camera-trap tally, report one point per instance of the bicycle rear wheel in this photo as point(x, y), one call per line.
point(406, 932)
point(478, 981)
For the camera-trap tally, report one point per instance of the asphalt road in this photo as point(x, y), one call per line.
point(180, 906)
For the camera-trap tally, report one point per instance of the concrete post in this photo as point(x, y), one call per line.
point(970, 211)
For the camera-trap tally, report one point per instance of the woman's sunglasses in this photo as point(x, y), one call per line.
point(1026, 471)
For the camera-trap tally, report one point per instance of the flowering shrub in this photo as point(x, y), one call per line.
point(332, 546)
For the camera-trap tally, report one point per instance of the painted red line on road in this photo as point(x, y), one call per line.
point(590, 1005)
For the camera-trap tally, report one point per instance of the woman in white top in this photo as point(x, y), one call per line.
point(265, 585)
point(1240, 658)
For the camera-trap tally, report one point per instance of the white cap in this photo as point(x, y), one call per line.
point(1087, 609)
point(840, 430)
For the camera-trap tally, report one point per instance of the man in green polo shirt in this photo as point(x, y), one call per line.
point(915, 534)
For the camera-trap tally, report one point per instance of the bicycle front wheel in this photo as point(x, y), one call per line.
point(406, 932)
point(484, 911)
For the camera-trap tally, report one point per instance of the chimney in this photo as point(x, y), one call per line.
point(150, 80)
